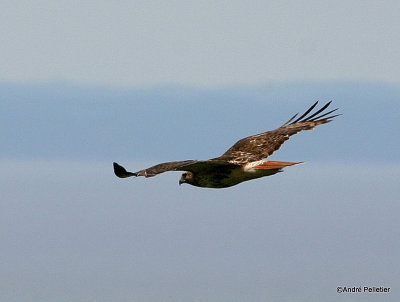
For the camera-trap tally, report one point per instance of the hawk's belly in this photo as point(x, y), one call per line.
point(233, 177)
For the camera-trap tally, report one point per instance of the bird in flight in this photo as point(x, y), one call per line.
point(245, 160)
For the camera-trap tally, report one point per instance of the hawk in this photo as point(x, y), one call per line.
point(245, 160)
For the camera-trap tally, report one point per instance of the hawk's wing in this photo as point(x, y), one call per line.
point(204, 166)
point(260, 146)
point(154, 170)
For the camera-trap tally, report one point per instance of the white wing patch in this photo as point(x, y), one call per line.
point(241, 157)
point(249, 166)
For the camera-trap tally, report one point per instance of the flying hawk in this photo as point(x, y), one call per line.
point(245, 160)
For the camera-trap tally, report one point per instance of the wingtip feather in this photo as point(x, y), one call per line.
point(121, 172)
point(314, 117)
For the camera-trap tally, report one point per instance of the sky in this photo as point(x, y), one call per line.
point(205, 43)
point(83, 84)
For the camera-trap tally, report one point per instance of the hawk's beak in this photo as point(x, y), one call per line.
point(181, 182)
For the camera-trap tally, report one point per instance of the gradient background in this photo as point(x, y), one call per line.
point(83, 84)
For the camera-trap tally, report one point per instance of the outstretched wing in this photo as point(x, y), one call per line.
point(154, 170)
point(260, 146)
point(197, 166)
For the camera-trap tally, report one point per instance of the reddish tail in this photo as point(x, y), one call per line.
point(273, 164)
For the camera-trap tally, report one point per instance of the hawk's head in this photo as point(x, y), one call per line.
point(187, 177)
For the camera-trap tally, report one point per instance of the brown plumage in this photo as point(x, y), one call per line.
point(244, 161)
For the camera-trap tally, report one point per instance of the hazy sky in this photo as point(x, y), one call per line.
point(71, 231)
point(207, 43)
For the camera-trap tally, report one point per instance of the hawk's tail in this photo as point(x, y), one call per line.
point(273, 164)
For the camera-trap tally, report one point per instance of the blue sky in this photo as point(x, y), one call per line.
point(209, 43)
point(88, 83)
point(185, 123)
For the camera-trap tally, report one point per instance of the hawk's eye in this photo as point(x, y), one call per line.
point(184, 175)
